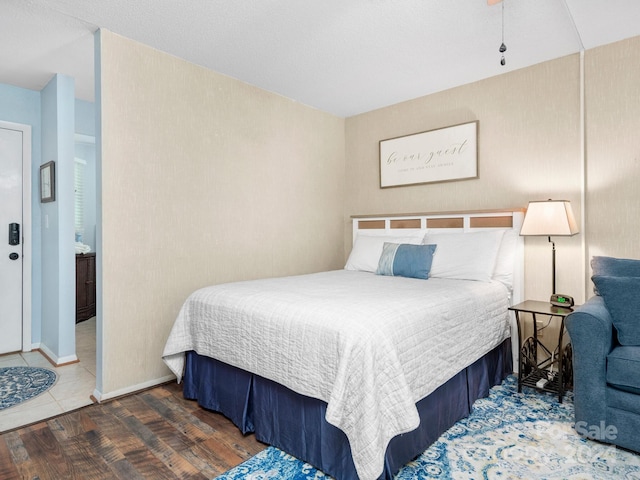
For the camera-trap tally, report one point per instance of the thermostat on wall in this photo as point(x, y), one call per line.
point(562, 300)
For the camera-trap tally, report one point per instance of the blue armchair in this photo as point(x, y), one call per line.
point(605, 337)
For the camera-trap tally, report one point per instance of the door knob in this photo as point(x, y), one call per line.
point(14, 256)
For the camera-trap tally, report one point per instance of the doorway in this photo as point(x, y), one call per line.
point(15, 220)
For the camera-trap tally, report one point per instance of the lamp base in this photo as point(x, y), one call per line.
point(560, 300)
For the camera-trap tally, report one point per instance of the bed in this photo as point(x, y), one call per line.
point(356, 371)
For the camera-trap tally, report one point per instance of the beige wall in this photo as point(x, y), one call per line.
point(613, 149)
point(530, 148)
point(204, 176)
point(529, 132)
point(204, 180)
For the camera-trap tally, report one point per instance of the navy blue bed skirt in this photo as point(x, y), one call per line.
point(296, 424)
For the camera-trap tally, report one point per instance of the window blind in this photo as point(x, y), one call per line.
point(79, 166)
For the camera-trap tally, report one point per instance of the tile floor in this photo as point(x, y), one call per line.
point(75, 383)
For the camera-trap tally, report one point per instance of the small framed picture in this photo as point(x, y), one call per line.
point(48, 182)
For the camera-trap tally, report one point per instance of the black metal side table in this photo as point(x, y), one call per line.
point(535, 361)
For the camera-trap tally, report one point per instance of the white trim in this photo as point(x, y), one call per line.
point(57, 361)
point(583, 162)
point(27, 241)
point(583, 182)
point(131, 389)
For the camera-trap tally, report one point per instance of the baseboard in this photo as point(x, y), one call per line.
point(101, 397)
point(54, 359)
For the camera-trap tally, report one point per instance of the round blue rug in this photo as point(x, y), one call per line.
point(19, 384)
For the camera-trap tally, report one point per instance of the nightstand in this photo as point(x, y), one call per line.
point(539, 367)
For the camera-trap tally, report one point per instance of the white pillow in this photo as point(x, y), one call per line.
point(506, 256)
point(465, 256)
point(367, 249)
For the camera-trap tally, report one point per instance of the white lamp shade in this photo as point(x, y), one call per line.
point(549, 218)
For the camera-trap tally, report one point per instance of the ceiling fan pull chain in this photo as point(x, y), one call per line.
point(503, 47)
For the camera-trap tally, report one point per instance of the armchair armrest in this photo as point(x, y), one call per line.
point(592, 338)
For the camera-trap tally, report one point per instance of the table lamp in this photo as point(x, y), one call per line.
point(550, 218)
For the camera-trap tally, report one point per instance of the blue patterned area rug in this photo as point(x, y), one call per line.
point(19, 384)
point(508, 435)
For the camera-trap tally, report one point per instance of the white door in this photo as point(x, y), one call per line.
point(11, 240)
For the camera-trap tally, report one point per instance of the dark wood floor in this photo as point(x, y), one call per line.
point(152, 434)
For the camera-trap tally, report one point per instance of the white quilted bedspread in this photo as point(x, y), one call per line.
point(370, 346)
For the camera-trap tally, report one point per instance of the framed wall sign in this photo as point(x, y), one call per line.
point(48, 182)
point(440, 155)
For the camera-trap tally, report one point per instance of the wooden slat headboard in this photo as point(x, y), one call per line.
point(464, 221)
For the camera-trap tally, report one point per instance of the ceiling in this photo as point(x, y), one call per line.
point(341, 56)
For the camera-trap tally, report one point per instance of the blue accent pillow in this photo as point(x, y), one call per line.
point(615, 267)
point(404, 260)
point(621, 296)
